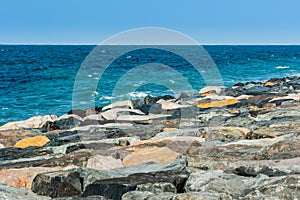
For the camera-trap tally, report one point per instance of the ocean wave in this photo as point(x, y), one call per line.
point(282, 67)
point(137, 94)
point(105, 98)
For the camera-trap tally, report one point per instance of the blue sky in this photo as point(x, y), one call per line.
point(208, 22)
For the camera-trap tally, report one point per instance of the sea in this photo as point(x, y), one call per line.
point(53, 79)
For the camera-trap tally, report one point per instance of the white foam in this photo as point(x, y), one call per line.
point(4, 108)
point(282, 67)
point(137, 94)
point(105, 98)
point(89, 75)
point(128, 57)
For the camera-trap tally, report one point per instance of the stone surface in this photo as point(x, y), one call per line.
point(152, 154)
point(39, 141)
point(103, 162)
point(33, 122)
point(222, 103)
point(120, 104)
point(113, 113)
point(14, 193)
point(23, 177)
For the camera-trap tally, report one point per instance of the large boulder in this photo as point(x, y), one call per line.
point(31, 123)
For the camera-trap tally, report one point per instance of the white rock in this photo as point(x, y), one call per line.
point(33, 122)
point(112, 114)
point(168, 105)
point(126, 103)
point(217, 89)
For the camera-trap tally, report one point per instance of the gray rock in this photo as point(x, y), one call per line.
point(111, 184)
point(157, 188)
point(240, 186)
point(14, 193)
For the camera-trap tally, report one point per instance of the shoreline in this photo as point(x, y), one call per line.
point(236, 142)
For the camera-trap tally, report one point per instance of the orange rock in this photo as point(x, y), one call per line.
point(39, 141)
point(150, 154)
point(217, 103)
point(169, 129)
point(22, 178)
point(270, 84)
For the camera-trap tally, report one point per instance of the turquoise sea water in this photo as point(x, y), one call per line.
point(39, 79)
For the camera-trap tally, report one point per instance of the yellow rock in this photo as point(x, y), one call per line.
point(150, 154)
point(233, 128)
point(217, 103)
point(32, 141)
point(270, 83)
point(169, 129)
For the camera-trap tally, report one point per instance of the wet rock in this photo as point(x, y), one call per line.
point(257, 90)
point(67, 122)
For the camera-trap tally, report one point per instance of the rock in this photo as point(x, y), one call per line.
point(152, 154)
point(112, 114)
point(79, 112)
point(179, 144)
point(33, 122)
point(14, 193)
point(141, 118)
point(92, 120)
point(257, 90)
point(157, 188)
point(110, 184)
point(295, 97)
point(103, 162)
point(23, 177)
point(152, 100)
point(211, 90)
point(238, 186)
point(133, 195)
point(217, 103)
point(58, 184)
point(150, 108)
point(229, 133)
point(38, 141)
point(168, 105)
point(67, 122)
point(270, 84)
point(121, 104)
point(8, 138)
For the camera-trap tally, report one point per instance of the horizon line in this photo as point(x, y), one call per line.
point(207, 44)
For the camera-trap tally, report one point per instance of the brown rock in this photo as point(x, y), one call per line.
point(150, 154)
point(103, 162)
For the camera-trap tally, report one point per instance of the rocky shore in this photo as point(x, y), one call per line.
point(241, 142)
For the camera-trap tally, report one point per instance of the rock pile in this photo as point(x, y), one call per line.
point(241, 142)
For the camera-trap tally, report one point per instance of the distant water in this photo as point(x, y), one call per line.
point(39, 79)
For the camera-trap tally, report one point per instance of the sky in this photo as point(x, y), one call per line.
point(206, 21)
